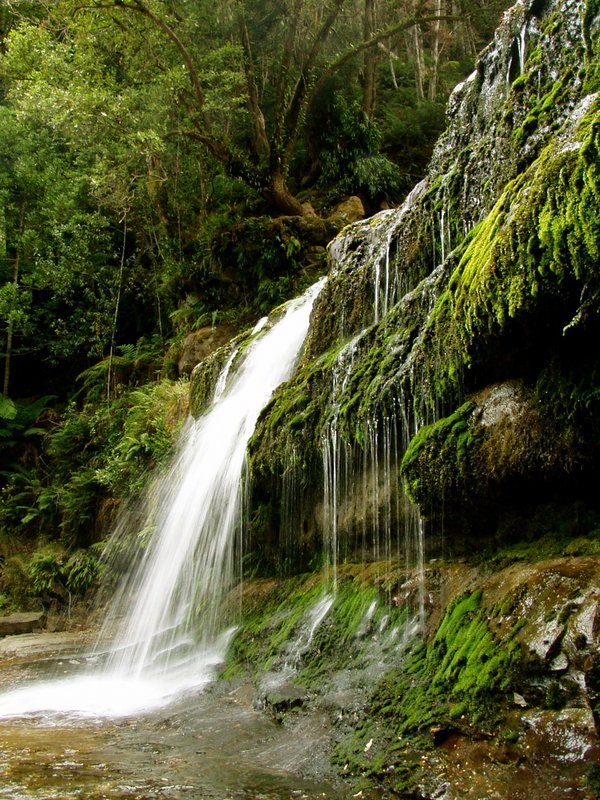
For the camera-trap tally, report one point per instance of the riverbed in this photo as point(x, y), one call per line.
point(207, 744)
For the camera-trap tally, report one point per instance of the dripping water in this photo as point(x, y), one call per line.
point(387, 279)
point(337, 457)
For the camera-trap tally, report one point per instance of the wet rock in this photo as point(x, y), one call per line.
point(284, 698)
point(544, 638)
point(568, 736)
point(586, 623)
point(560, 663)
point(500, 402)
point(519, 700)
point(22, 623)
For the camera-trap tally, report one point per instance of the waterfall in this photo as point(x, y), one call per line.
point(178, 591)
point(172, 633)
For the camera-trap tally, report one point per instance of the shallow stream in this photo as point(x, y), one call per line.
point(208, 744)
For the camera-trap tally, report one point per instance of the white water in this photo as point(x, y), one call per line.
point(172, 639)
point(304, 636)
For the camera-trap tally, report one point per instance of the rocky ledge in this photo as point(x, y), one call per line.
point(25, 622)
point(493, 692)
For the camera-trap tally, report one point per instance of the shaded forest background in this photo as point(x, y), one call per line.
point(172, 167)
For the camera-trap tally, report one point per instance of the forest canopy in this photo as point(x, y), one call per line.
point(131, 129)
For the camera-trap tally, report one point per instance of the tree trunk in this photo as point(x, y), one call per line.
point(370, 60)
point(261, 141)
point(282, 199)
point(416, 35)
point(435, 54)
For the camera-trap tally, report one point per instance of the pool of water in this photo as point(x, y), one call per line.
point(206, 744)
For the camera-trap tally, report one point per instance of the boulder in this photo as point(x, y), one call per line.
point(22, 623)
point(201, 343)
point(350, 210)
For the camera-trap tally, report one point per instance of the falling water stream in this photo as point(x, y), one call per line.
point(133, 722)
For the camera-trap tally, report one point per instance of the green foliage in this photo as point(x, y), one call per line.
point(593, 780)
point(56, 275)
point(89, 454)
point(45, 571)
point(130, 365)
point(8, 409)
point(351, 157)
point(266, 255)
point(19, 420)
point(571, 393)
point(409, 132)
point(54, 572)
point(81, 571)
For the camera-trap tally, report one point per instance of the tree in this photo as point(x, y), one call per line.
point(55, 266)
point(253, 72)
point(95, 196)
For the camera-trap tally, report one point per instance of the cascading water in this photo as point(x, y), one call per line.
point(337, 457)
point(172, 636)
point(392, 530)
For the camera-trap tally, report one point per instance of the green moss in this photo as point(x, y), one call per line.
point(471, 666)
point(543, 113)
point(553, 532)
point(438, 458)
point(460, 679)
point(268, 628)
point(541, 239)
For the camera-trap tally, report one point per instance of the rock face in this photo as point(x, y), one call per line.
point(498, 699)
point(485, 279)
point(22, 623)
point(200, 344)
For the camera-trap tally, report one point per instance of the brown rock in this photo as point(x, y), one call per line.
point(200, 344)
point(22, 623)
point(351, 210)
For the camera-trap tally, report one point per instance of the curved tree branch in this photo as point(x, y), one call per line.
point(261, 141)
point(141, 8)
point(374, 41)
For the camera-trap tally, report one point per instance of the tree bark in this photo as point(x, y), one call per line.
point(435, 54)
point(261, 141)
point(281, 198)
point(370, 60)
point(419, 62)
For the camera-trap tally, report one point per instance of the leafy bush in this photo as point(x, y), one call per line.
point(352, 160)
point(54, 573)
point(87, 461)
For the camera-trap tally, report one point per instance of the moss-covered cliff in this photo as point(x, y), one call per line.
point(486, 276)
point(452, 359)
